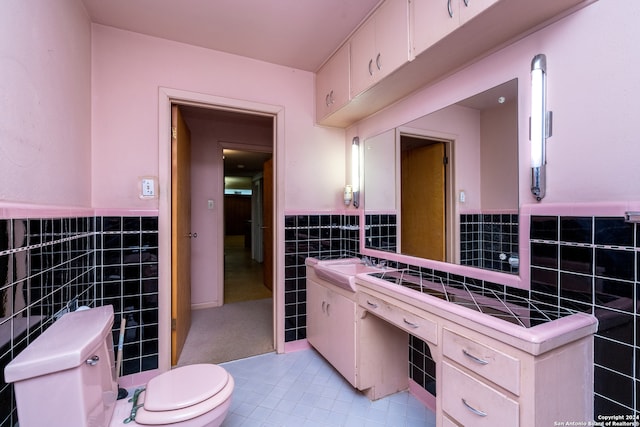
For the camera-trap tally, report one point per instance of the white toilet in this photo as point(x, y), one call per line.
point(66, 377)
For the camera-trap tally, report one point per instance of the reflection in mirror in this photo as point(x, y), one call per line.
point(445, 186)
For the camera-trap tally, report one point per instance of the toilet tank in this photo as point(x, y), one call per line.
point(66, 376)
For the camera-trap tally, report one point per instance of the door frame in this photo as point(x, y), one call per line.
point(167, 97)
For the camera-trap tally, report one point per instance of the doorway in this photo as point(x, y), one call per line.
point(424, 185)
point(186, 101)
point(247, 242)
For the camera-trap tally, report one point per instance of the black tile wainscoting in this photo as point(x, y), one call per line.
point(49, 266)
point(588, 264)
point(488, 240)
point(592, 264)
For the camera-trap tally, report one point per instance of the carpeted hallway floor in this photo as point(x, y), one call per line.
point(243, 326)
point(231, 332)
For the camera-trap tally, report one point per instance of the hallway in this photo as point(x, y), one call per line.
point(243, 279)
point(243, 326)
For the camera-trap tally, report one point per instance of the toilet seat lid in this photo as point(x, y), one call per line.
point(184, 386)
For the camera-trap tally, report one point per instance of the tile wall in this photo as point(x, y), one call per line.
point(381, 232)
point(52, 265)
point(485, 237)
point(592, 264)
point(318, 236)
point(589, 264)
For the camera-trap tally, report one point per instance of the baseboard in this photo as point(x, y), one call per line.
point(205, 305)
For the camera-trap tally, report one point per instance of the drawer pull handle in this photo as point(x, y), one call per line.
point(474, 358)
point(371, 304)
point(411, 324)
point(474, 410)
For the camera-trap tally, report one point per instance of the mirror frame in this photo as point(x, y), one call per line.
point(464, 91)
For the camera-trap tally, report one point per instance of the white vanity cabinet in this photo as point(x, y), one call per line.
point(331, 327)
point(351, 340)
point(380, 46)
point(489, 371)
point(332, 84)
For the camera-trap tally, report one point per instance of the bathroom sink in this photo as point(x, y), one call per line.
point(342, 272)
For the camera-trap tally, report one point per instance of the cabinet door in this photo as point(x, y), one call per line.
point(332, 84)
point(316, 320)
point(469, 9)
point(391, 37)
point(380, 46)
point(362, 56)
point(341, 313)
point(432, 20)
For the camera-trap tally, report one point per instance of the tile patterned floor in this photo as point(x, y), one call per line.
point(302, 389)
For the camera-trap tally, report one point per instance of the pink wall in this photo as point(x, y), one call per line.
point(128, 69)
point(592, 61)
point(45, 99)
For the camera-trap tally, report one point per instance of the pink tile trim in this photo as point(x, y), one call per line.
point(426, 398)
point(126, 212)
point(21, 210)
point(581, 209)
point(293, 346)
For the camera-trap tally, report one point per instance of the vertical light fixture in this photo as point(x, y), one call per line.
point(355, 171)
point(540, 125)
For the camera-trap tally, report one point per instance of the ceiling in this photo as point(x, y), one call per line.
point(300, 34)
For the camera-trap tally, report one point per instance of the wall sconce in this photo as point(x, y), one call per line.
point(539, 125)
point(355, 171)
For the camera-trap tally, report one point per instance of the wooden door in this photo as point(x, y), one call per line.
point(267, 223)
point(180, 233)
point(423, 201)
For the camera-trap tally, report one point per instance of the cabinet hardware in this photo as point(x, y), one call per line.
point(411, 324)
point(323, 304)
point(472, 409)
point(370, 67)
point(93, 361)
point(372, 304)
point(449, 9)
point(378, 62)
point(466, 3)
point(474, 358)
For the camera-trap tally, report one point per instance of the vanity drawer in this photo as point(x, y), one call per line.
point(472, 403)
point(496, 366)
point(410, 322)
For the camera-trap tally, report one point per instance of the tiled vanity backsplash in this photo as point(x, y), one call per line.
point(52, 265)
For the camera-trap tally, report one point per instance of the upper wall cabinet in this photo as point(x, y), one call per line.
point(332, 84)
point(380, 46)
point(406, 45)
point(432, 20)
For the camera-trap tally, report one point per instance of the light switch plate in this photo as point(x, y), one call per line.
point(148, 187)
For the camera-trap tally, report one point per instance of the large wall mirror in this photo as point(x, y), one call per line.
point(444, 187)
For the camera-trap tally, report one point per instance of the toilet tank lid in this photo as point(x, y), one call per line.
point(66, 344)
